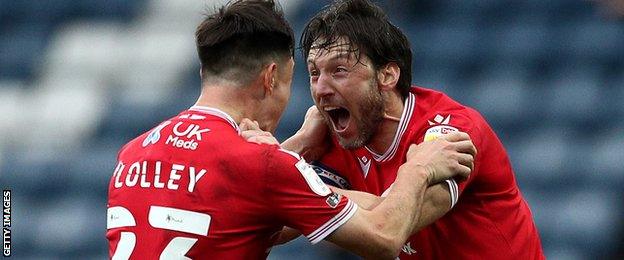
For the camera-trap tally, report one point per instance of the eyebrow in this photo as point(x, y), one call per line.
point(342, 54)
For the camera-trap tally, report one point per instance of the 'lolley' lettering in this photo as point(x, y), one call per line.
point(136, 174)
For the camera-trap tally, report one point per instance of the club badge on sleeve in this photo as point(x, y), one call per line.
point(313, 180)
point(439, 126)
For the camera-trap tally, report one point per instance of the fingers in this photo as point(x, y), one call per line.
point(263, 140)
point(312, 115)
point(411, 150)
point(455, 136)
point(466, 160)
point(250, 131)
point(462, 142)
point(247, 134)
point(466, 146)
point(463, 172)
point(247, 124)
point(313, 112)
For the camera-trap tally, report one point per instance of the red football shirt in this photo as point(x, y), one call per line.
point(192, 187)
point(489, 219)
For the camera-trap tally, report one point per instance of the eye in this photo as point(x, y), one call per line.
point(340, 71)
point(314, 74)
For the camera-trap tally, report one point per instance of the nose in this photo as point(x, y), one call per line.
point(323, 86)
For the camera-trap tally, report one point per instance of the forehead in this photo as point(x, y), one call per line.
point(339, 49)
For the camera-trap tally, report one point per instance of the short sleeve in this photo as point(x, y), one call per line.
point(445, 123)
point(299, 197)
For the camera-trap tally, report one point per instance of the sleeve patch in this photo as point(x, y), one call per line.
point(331, 178)
point(333, 200)
point(323, 231)
point(314, 182)
point(437, 131)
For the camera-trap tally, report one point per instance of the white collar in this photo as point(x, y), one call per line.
point(408, 110)
point(218, 113)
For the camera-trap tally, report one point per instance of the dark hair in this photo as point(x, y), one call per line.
point(368, 31)
point(243, 35)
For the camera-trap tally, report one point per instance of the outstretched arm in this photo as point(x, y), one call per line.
point(386, 226)
point(436, 203)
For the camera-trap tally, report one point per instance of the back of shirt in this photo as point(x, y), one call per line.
point(192, 187)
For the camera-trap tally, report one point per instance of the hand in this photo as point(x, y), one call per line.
point(314, 127)
point(312, 140)
point(250, 131)
point(448, 156)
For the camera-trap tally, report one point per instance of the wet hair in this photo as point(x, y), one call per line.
point(235, 42)
point(367, 30)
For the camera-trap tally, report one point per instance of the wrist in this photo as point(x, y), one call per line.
point(419, 173)
point(431, 175)
point(295, 143)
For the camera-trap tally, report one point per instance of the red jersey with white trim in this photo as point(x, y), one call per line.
point(489, 218)
point(192, 187)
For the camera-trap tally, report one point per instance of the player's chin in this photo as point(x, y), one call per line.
point(350, 143)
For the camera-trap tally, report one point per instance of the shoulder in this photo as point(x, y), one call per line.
point(281, 157)
point(287, 168)
point(440, 114)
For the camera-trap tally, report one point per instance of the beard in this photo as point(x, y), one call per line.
point(370, 115)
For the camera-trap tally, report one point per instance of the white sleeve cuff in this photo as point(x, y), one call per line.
point(334, 223)
point(454, 191)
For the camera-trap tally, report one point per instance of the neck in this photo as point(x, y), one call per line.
point(226, 99)
point(387, 129)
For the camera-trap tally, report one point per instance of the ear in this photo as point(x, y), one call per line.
point(268, 78)
point(388, 76)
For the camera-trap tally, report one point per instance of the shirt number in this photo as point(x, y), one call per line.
point(162, 218)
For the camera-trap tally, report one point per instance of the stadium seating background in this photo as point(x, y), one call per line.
point(78, 78)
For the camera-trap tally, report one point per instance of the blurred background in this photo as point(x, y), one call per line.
point(79, 78)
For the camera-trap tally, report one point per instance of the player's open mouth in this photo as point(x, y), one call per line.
point(340, 117)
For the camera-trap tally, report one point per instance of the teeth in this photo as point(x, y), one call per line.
point(330, 108)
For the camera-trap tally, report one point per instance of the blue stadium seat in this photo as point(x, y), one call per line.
point(595, 39)
point(118, 10)
point(501, 95)
point(21, 48)
point(141, 119)
point(522, 41)
point(540, 156)
point(451, 42)
point(605, 156)
point(588, 218)
point(67, 226)
point(579, 217)
point(574, 95)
